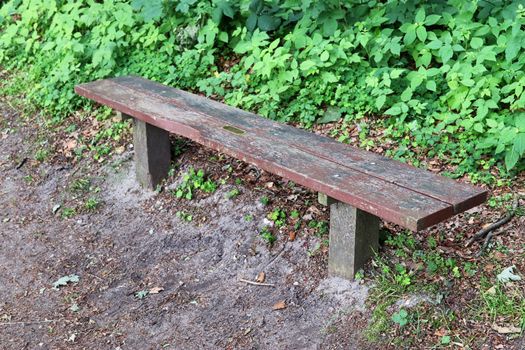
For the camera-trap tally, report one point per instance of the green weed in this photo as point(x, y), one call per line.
point(184, 216)
point(67, 212)
point(264, 200)
point(92, 204)
point(194, 181)
point(267, 235)
point(233, 193)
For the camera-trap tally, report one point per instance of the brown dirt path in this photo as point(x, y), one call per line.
point(135, 242)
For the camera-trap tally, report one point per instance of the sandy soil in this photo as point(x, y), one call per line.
point(134, 242)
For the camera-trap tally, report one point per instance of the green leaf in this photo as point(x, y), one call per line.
point(476, 43)
point(445, 340)
point(406, 95)
point(394, 110)
point(307, 65)
point(324, 56)
point(491, 123)
point(329, 77)
point(256, 6)
point(425, 59)
point(519, 143)
point(415, 80)
point(446, 53)
point(380, 101)
point(400, 317)
point(184, 5)
point(479, 128)
point(421, 32)
point(329, 26)
point(410, 35)
point(432, 19)
point(420, 15)
point(227, 9)
point(149, 10)
point(223, 36)
point(268, 22)
point(519, 121)
point(332, 114)
point(435, 44)
point(513, 48)
point(511, 158)
point(431, 85)
point(395, 48)
point(251, 22)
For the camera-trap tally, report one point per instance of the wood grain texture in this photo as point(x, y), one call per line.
point(354, 238)
point(394, 191)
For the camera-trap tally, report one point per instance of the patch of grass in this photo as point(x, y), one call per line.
point(501, 303)
point(68, 212)
point(81, 185)
point(41, 155)
point(233, 193)
point(29, 179)
point(92, 204)
point(264, 200)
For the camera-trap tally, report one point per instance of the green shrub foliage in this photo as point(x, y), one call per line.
point(442, 76)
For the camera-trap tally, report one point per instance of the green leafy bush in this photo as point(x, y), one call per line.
point(444, 78)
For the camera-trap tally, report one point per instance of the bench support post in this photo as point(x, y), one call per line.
point(152, 153)
point(354, 237)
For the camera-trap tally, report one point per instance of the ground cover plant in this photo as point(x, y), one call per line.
point(435, 83)
point(442, 79)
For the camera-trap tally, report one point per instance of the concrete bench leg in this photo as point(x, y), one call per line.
point(152, 153)
point(354, 237)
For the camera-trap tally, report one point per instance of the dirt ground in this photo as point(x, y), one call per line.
point(134, 242)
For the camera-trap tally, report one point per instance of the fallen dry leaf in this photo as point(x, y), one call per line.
point(440, 332)
point(279, 305)
point(506, 330)
point(120, 149)
point(156, 290)
point(291, 236)
point(261, 277)
point(491, 290)
point(489, 268)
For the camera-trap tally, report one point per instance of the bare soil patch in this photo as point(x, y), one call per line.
point(134, 242)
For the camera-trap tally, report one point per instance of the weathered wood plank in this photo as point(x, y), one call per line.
point(356, 177)
point(354, 238)
point(152, 153)
point(460, 196)
point(383, 199)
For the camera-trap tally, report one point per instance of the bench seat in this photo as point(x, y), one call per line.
point(394, 191)
point(359, 186)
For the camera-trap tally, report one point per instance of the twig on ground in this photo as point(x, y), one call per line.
point(21, 164)
point(256, 283)
point(486, 243)
point(488, 231)
point(26, 323)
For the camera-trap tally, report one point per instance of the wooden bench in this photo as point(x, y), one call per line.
point(359, 186)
